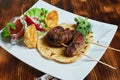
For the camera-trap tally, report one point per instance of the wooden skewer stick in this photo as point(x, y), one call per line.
point(106, 46)
point(92, 58)
point(99, 61)
point(64, 45)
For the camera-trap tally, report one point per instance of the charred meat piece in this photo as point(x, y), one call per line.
point(52, 36)
point(76, 44)
point(58, 35)
point(66, 36)
point(74, 39)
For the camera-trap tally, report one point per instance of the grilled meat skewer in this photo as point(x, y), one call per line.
point(72, 38)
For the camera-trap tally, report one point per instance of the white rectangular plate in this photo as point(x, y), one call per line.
point(74, 71)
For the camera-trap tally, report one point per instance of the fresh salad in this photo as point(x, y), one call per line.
point(34, 16)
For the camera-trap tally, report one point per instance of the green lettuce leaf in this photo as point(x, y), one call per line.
point(40, 13)
point(5, 32)
point(83, 26)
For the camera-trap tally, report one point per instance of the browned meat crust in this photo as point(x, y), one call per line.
point(72, 38)
point(58, 35)
point(77, 43)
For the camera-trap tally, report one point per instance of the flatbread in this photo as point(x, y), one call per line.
point(30, 36)
point(52, 19)
point(57, 54)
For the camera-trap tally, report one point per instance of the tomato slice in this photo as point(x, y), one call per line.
point(19, 31)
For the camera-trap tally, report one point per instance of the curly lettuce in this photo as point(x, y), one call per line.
point(40, 13)
point(83, 25)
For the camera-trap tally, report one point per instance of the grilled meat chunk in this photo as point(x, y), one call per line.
point(72, 38)
point(58, 35)
point(76, 44)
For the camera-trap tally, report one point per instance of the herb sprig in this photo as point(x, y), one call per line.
point(83, 25)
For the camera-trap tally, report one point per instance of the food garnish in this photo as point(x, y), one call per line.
point(37, 17)
point(83, 25)
point(38, 13)
point(30, 22)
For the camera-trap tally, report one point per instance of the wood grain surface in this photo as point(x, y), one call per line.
point(102, 10)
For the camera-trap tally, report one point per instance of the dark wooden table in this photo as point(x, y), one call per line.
point(102, 10)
